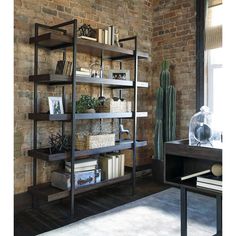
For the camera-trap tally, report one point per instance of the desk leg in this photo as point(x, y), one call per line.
point(183, 202)
point(219, 214)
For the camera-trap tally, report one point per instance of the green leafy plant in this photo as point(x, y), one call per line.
point(86, 102)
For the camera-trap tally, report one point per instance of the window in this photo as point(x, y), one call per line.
point(214, 61)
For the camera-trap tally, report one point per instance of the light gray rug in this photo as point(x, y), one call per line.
point(155, 215)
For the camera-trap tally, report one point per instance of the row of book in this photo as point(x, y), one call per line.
point(209, 181)
point(64, 68)
point(83, 72)
point(106, 35)
point(112, 165)
point(87, 171)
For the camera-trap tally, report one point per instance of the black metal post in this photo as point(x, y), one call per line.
point(73, 126)
point(219, 214)
point(101, 72)
point(200, 45)
point(35, 103)
point(135, 113)
point(183, 203)
point(63, 96)
point(35, 111)
point(120, 96)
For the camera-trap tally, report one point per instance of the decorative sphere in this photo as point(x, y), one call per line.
point(203, 132)
point(216, 169)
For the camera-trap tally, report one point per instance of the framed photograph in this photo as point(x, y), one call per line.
point(119, 74)
point(55, 105)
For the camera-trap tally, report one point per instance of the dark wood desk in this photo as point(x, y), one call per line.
point(182, 159)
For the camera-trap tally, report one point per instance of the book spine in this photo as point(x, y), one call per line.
point(78, 165)
point(106, 36)
point(122, 164)
point(109, 35)
point(209, 181)
point(209, 186)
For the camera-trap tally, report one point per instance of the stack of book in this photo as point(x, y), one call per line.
point(210, 181)
point(85, 172)
point(107, 35)
point(112, 165)
point(82, 165)
point(83, 72)
point(64, 68)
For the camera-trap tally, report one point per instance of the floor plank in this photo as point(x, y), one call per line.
point(51, 216)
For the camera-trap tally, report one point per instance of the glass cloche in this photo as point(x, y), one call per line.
point(201, 132)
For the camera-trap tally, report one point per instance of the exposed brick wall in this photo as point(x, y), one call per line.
point(132, 17)
point(174, 39)
point(165, 29)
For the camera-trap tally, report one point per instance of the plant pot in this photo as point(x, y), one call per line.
point(158, 170)
point(90, 110)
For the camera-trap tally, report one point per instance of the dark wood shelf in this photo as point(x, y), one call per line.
point(44, 153)
point(55, 79)
point(49, 193)
point(54, 41)
point(182, 148)
point(190, 184)
point(84, 116)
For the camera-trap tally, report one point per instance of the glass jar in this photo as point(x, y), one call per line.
point(201, 132)
point(95, 70)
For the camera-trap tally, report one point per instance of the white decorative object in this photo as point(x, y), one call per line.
point(201, 131)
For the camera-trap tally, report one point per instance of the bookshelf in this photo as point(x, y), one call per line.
point(58, 39)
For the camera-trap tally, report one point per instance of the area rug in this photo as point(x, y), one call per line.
point(155, 215)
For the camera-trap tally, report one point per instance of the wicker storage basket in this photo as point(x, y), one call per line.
point(95, 141)
point(115, 106)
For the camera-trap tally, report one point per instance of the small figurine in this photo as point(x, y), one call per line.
point(116, 37)
point(123, 131)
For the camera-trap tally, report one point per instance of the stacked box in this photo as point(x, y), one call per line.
point(61, 179)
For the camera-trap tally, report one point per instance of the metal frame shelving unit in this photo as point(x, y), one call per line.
point(53, 41)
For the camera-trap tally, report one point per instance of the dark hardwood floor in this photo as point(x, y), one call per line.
point(51, 216)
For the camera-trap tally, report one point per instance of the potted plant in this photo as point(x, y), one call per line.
point(87, 104)
point(165, 124)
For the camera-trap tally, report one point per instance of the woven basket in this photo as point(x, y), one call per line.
point(115, 106)
point(95, 141)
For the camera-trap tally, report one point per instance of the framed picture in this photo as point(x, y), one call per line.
point(55, 105)
point(119, 74)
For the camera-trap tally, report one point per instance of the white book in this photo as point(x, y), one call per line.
point(113, 166)
point(195, 174)
point(117, 166)
point(83, 162)
point(82, 72)
point(106, 166)
point(86, 37)
point(100, 36)
point(209, 186)
point(82, 69)
point(122, 164)
point(210, 179)
point(109, 35)
point(105, 36)
point(85, 168)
